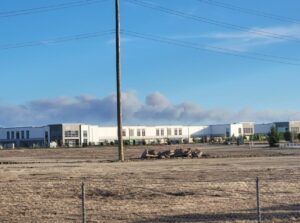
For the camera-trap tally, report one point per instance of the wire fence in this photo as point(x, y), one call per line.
point(161, 198)
point(262, 201)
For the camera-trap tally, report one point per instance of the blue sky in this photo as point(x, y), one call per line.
point(208, 80)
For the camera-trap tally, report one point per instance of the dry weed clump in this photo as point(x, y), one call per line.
point(171, 154)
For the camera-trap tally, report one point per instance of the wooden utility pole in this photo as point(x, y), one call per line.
point(119, 93)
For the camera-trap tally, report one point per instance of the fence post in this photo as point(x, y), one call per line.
point(83, 203)
point(258, 200)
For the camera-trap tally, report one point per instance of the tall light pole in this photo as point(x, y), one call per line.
point(119, 94)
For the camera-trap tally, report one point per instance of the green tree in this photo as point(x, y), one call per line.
point(287, 136)
point(273, 137)
point(298, 136)
point(256, 137)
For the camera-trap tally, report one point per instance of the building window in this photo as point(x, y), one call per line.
point(46, 137)
point(17, 135)
point(176, 132)
point(131, 132)
point(227, 132)
point(27, 134)
point(69, 134)
point(295, 129)
point(157, 132)
point(8, 135)
point(180, 132)
point(248, 130)
point(85, 134)
point(138, 133)
point(124, 132)
point(12, 135)
point(162, 132)
point(143, 132)
point(169, 131)
point(22, 134)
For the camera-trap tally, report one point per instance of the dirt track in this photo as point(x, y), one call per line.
point(44, 186)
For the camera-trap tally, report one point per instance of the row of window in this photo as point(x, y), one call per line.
point(69, 134)
point(17, 135)
point(139, 132)
point(248, 131)
point(159, 132)
point(295, 129)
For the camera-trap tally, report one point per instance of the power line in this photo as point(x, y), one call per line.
point(213, 22)
point(215, 49)
point(250, 11)
point(49, 8)
point(208, 48)
point(57, 40)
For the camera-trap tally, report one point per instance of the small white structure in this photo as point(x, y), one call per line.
point(53, 145)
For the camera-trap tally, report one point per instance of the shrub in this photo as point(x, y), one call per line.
point(273, 137)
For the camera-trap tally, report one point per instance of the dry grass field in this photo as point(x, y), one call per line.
point(44, 186)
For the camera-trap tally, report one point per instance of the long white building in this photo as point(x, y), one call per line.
point(82, 134)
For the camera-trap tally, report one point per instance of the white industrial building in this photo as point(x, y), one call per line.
point(83, 134)
point(92, 134)
point(95, 135)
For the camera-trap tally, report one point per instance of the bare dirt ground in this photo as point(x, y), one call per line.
point(44, 185)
